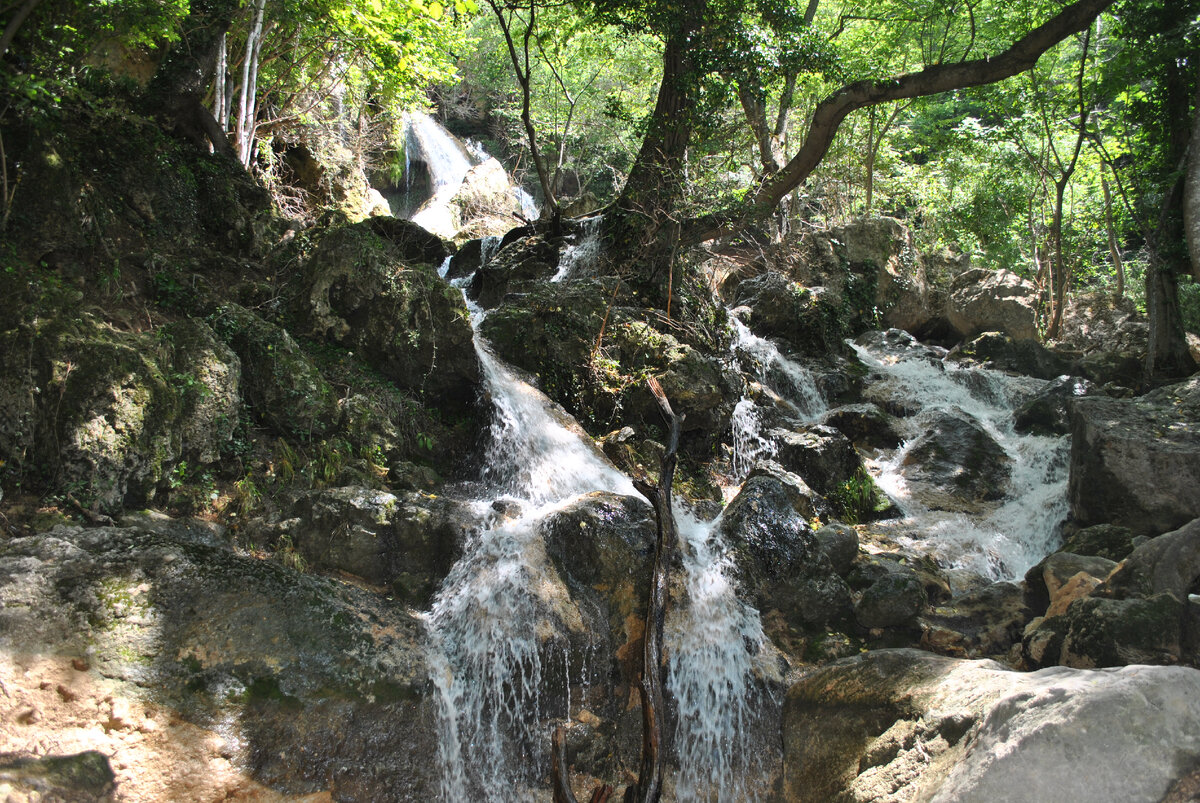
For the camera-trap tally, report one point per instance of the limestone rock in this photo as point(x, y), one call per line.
point(865, 425)
point(904, 725)
point(1045, 580)
point(367, 293)
point(839, 544)
point(1102, 540)
point(327, 682)
point(819, 454)
point(1006, 353)
point(1046, 413)
point(209, 376)
point(1136, 463)
point(777, 558)
point(1167, 564)
point(807, 318)
point(982, 300)
point(527, 259)
point(980, 623)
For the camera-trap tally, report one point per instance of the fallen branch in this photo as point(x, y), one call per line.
point(650, 773)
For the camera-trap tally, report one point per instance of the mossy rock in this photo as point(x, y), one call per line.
point(283, 386)
point(365, 292)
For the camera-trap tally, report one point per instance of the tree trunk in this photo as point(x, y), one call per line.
point(177, 90)
point(1191, 190)
point(1114, 249)
point(1167, 355)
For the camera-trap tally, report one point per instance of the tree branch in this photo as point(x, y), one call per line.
point(932, 80)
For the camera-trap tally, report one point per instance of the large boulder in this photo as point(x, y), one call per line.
point(407, 543)
point(381, 297)
point(1136, 462)
point(778, 560)
point(905, 725)
point(203, 674)
point(284, 388)
point(955, 464)
point(1097, 321)
point(89, 411)
point(527, 259)
point(982, 300)
point(208, 376)
point(808, 318)
point(879, 252)
point(982, 623)
point(821, 455)
point(1019, 356)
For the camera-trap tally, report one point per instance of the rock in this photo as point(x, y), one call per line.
point(865, 425)
point(283, 387)
point(823, 457)
point(1114, 370)
point(471, 256)
point(1044, 580)
point(1136, 463)
point(1102, 540)
point(359, 292)
point(904, 725)
point(81, 778)
point(408, 242)
point(1168, 564)
point(1046, 413)
point(982, 300)
point(407, 542)
point(956, 465)
point(807, 318)
point(880, 252)
point(1003, 352)
point(89, 411)
point(839, 544)
point(603, 548)
point(981, 623)
point(516, 264)
point(777, 558)
point(1115, 632)
point(486, 194)
point(1096, 321)
point(894, 600)
point(327, 682)
point(208, 376)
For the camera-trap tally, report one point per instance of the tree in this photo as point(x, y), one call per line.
point(644, 227)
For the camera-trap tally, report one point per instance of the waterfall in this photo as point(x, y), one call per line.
point(447, 160)
point(713, 642)
point(581, 253)
point(1024, 527)
point(485, 638)
point(789, 380)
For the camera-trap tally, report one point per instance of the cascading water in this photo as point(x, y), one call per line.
point(485, 626)
point(713, 643)
point(447, 161)
point(583, 252)
point(787, 379)
point(1022, 528)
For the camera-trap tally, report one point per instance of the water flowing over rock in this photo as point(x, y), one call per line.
point(963, 455)
point(905, 725)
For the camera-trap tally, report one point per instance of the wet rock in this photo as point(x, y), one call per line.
point(819, 454)
point(865, 425)
point(839, 544)
point(327, 682)
point(81, 778)
point(362, 291)
point(982, 300)
point(905, 725)
point(1116, 632)
point(956, 465)
point(807, 318)
point(471, 255)
point(1136, 463)
point(777, 558)
point(603, 548)
point(408, 241)
point(1046, 413)
point(981, 623)
point(530, 258)
point(284, 388)
point(999, 351)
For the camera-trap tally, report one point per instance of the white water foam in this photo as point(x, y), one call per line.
point(583, 252)
point(1024, 528)
point(713, 643)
